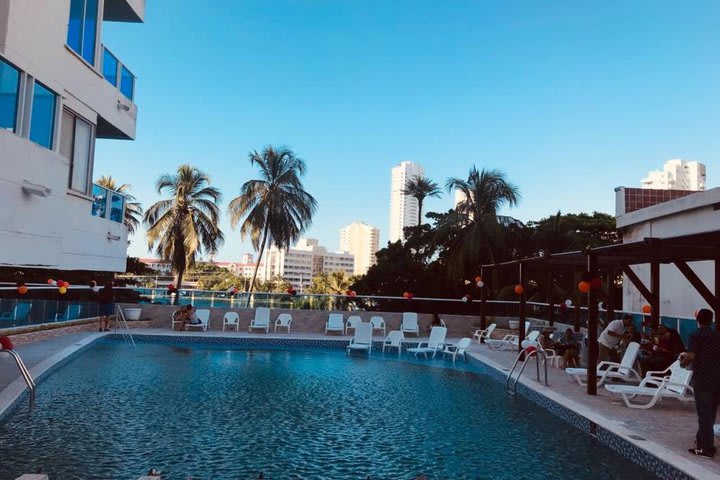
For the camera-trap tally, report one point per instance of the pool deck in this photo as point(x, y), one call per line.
point(666, 431)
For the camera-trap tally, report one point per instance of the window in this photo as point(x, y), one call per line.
point(127, 83)
point(110, 67)
point(9, 85)
point(82, 28)
point(116, 208)
point(76, 144)
point(42, 119)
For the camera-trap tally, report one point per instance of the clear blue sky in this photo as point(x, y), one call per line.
point(569, 98)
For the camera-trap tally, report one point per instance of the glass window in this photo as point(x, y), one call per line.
point(42, 119)
point(82, 28)
point(110, 67)
point(76, 144)
point(9, 84)
point(99, 204)
point(127, 83)
point(116, 208)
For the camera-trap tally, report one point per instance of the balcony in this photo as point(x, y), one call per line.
point(108, 204)
point(117, 74)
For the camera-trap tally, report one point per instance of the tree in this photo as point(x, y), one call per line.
point(185, 225)
point(136, 267)
point(133, 208)
point(420, 187)
point(332, 283)
point(274, 209)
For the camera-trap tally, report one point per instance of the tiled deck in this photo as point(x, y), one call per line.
point(666, 430)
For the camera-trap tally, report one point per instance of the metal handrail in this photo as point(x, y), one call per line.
point(23, 371)
point(511, 383)
point(119, 314)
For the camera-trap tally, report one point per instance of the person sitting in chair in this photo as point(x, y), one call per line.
point(186, 315)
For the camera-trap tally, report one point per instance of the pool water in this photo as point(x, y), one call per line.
point(113, 412)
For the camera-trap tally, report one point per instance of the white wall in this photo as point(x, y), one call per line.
point(57, 231)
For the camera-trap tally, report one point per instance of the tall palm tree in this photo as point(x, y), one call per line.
point(336, 283)
point(274, 209)
point(420, 187)
point(133, 209)
point(479, 235)
point(185, 225)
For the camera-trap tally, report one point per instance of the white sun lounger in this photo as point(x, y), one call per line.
point(204, 317)
point(479, 335)
point(283, 321)
point(674, 382)
point(231, 319)
point(335, 323)
point(261, 320)
point(410, 323)
point(394, 340)
point(510, 342)
point(378, 323)
point(362, 340)
point(352, 321)
point(607, 370)
point(435, 343)
point(458, 349)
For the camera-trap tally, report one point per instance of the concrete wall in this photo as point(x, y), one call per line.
point(310, 321)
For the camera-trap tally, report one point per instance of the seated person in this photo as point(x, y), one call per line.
point(545, 339)
point(569, 349)
point(663, 351)
point(633, 334)
point(189, 317)
point(180, 315)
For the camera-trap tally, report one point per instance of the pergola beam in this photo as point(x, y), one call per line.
point(699, 285)
point(632, 276)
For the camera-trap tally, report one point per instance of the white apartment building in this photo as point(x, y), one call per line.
point(677, 174)
point(60, 90)
point(403, 208)
point(360, 240)
point(297, 265)
point(158, 264)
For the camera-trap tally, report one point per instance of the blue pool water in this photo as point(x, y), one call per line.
point(113, 412)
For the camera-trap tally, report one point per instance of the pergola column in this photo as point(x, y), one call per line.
point(521, 313)
point(592, 330)
point(655, 298)
point(483, 303)
point(610, 303)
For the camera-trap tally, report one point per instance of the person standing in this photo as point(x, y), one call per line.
point(107, 306)
point(610, 337)
point(704, 355)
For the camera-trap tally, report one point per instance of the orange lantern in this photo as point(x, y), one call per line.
point(22, 289)
point(519, 289)
point(584, 286)
point(646, 308)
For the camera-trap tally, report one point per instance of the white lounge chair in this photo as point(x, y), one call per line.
point(458, 349)
point(204, 317)
point(481, 335)
point(231, 319)
point(378, 323)
point(510, 342)
point(410, 323)
point(674, 382)
point(607, 370)
point(283, 321)
point(352, 321)
point(362, 340)
point(335, 323)
point(261, 320)
point(435, 343)
point(394, 340)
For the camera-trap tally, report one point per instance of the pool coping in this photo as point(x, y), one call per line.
point(657, 459)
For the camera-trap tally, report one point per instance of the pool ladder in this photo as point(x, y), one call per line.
point(24, 372)
point(121, 323)
point(539, 354)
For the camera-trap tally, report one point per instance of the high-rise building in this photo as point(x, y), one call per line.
point(360, 240)
point(61, 89)
point(403, 208)
point(677, 174)
point(297, 265)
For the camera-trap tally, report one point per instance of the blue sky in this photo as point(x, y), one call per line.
point(569, 98)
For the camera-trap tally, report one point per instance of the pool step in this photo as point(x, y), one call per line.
point(33, 476)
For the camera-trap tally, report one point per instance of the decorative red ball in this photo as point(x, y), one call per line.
point(478, 279)
point(584, 286)
point(5, 343)
point(50, 281)
point(519, 289)
point(22, 289)
point(596, 283)
point(646, 308)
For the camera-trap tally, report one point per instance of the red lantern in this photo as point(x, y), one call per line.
point(584, 286)
point(66, 284)
point(50, 281)
point(646, 308)
point(405, 294)
point(5, 343)
point(563, 307)
point(410, 296)
point(519, 289)
point(596, 283)
point(59, 283)
point(22, 289)
point(478, 279)
point(352, 293)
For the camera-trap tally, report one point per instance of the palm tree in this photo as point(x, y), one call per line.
point(330, 283)
point(420, 187)
point(133, 209)
point(276, 208)
point(478, 233)
point(185, 225)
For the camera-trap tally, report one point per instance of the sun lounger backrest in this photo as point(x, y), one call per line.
point(262, 316)
point(377, 322)
point(335, 320)
point(437, 337)
point(628, 359)
point(680, 376)
point(353, 321)
point(394, 338)
point(203, 315)
point(533, 336)
point(490, 329)
point(363, 333)
point(409, 319)
point(462, 345)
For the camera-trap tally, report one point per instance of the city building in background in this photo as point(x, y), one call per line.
point(361, 240)
point(403, 208)
point(677, 174)
point(297, 265)
point(60, 90)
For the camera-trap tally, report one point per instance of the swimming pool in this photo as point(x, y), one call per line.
point(112, 412)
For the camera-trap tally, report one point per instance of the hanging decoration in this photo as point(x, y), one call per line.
point(584, 286)
point(596, 283)
point(519, 289)
point(478, 279)
point(480, 284)
point(21, 288)
point(568, 303)
point(467, 298)
point(646, 308)
point(62, 290)
point(408, 295)
point(467, 282)
point(6, 343)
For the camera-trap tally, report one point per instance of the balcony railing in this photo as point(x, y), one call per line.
point(108, 204)
point(118, 74)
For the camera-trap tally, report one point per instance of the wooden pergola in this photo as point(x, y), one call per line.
point(615, 259)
